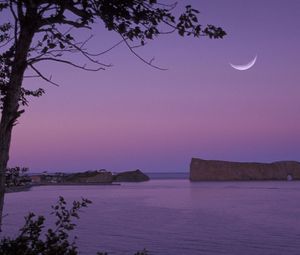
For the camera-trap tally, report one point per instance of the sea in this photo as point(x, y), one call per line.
point(169, 215)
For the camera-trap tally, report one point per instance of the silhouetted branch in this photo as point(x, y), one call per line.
point(81, 50)
point(42, 76)
point(149, 63)
point(31, 76)
point(106, 51)
point(65, 62)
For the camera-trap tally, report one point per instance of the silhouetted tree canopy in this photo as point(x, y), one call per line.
point(45, 30)
point(51, 26)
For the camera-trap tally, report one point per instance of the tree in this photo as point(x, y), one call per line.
point(16, 176)
point(44, 30)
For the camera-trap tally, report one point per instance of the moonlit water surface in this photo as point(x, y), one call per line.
point(176, 217)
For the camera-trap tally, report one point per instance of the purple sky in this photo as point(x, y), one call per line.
point(133, 116)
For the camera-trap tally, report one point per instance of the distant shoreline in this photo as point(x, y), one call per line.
point(18, 189)
point(28, 187)
point(75, 184)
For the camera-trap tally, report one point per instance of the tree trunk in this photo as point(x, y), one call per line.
point(10, 111)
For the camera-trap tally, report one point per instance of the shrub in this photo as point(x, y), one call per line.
point(33, 240)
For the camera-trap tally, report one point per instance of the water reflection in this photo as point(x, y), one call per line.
point(176, 216)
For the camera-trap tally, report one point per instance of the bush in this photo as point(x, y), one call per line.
point(54, 241)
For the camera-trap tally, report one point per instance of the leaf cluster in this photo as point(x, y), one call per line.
point(52, 24)
point(4, 31)
point(33, 240)
point(6, 62)
point(3, 5)
point(15, 175)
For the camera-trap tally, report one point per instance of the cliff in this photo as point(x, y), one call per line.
point(131, 176)
point(216, 170)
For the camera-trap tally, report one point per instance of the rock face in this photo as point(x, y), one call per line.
point(216, 170)
point(131, 176)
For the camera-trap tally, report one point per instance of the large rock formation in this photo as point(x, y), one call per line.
point(131, 176)
point(216, 170)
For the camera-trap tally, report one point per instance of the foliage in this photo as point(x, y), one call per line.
point(34, 240)
point(52, 23)
point(16, 176)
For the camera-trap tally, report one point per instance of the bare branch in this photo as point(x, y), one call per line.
point(6, 43)
point(84, 53)
point(65, 62)
point(106, 51)
point(44, 9)
point(149, 63)
point(42, 76)
point(31, 76)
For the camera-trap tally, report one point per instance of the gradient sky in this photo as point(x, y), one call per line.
point(133, 116)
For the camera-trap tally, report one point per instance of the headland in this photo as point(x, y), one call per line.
point(217, 170)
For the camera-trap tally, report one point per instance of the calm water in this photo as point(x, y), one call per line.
point(176, 216)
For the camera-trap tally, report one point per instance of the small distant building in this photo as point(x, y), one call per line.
point(52, 178)
point(35, 179)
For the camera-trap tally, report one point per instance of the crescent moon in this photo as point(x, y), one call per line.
point(244, 67)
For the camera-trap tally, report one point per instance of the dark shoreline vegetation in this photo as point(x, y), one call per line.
point(18, 179)
point(34, 239)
